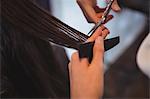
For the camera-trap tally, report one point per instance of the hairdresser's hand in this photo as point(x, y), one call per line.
point(101, 31)
point(86, 79)
point(92, 12)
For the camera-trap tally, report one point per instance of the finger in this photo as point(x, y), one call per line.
point(98, 9)
point(84, 62)
point(97, 33)
point(91, 15)
point(69, 66)
point(70, 70)
point(102, 27)
point(98, 51)
point(75, 57)
point(115, 6)
point(105, 33)
point(99, 15)
point(88, 12)
point(76, 61)
point(109, 17)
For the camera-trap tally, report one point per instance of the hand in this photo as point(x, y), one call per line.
point(86, 79)
point(92, 12)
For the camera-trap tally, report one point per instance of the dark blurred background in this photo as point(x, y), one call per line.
point(123, 78)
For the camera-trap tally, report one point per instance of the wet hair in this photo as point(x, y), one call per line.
point(29, 66)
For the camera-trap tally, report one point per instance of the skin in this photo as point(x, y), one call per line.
point(92, 12)
point(87, 79)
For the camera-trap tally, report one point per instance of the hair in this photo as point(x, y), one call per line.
point(29, 67)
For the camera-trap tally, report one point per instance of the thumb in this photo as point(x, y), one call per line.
point(98, 51)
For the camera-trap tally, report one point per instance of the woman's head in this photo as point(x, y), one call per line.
point(28, 60)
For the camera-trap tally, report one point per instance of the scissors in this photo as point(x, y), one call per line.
point(103, 18)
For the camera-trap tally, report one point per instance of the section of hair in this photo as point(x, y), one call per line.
point(28, 62)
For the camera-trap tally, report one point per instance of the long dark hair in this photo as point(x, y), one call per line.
point(28, 65)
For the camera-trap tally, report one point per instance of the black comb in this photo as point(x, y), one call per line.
point(86, 49)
